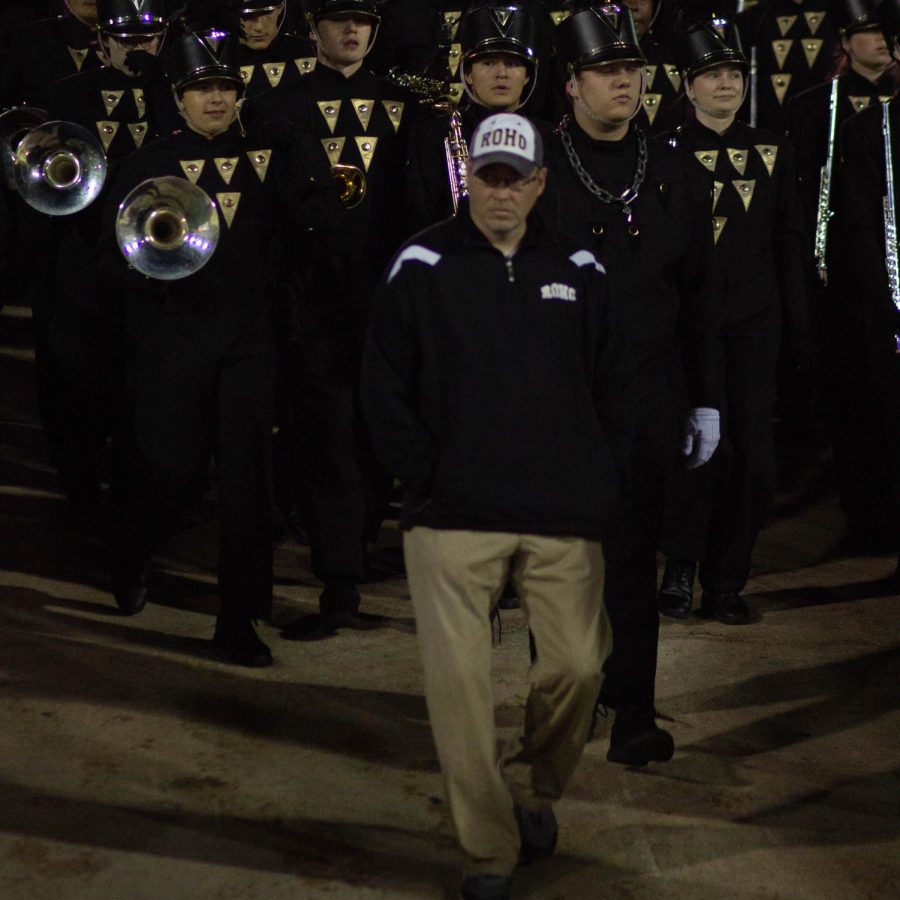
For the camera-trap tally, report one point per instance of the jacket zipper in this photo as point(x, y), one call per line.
point(510, 271)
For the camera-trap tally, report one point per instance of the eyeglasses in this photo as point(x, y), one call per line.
point(496, 182)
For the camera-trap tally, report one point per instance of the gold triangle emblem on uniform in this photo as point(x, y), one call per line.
point(745, 190)
point(226, 166)
point(718, 223)
point(503, 16)
point(650, 72)
point(363, 111)
point(228, 204)
point(366, 146)
point(780, 84)
point(560, 15)
point(138, 132)
point(451, 22)
point(769, 153)
point(139, 102)
point(716, 193)
point(260, 159)
point(707, 158)
point(811, 48)
point(107, 131)
point(334, 147)
point(859, 103)
point(394, 109)
point(247, 73)
point(785, 24)
point(305, 64)
point(738, 159)
point(274, 71)
point(330, 109)
point(885, 98)
point(674, 76)
point(814, 20)
point(453, 58)
point(78, 57)
point(781, 50)
point(456, 92)
point(111, 100)
point(192, 168)
point(651, 106)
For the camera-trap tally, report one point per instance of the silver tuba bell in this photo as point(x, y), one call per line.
point(60, 168)
point(15, 123)
point(167, 228)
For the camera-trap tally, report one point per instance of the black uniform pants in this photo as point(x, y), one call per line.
point(717, 511)
point(201, 385)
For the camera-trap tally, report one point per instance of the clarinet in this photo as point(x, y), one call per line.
point(824, 211)
point(890, 223)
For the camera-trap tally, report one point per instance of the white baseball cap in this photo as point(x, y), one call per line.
point(508, 139)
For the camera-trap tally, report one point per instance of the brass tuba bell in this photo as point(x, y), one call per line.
point(15, 123)
point(167, 228)
point(351, 183)
point(60, 168)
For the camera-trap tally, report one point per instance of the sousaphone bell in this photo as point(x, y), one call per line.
point(167, 228)
point(60, 168)
point(15, 123)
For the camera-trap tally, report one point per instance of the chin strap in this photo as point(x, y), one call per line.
point(593, 115)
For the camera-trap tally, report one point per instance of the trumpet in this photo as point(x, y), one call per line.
point(167, 228)
point(59, 168)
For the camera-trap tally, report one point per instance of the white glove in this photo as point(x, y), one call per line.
point(701, 436)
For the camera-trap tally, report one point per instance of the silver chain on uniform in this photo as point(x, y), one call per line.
point(630, 194)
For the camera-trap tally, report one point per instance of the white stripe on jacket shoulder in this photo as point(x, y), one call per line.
point(585, 258)
point(413, 253)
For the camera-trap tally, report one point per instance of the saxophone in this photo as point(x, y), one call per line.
point(456, 151)
point(890, 222)
point(824, 211)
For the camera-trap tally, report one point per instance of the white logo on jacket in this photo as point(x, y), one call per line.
point(557, 291)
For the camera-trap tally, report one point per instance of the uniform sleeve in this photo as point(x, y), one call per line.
point(805, 136)
point(427, 189)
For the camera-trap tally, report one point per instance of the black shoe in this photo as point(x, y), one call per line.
point(729, 608)
point(486, 887)
point(130, 591)
point(538, 833)
point(636, 739)
point(509, 599)
point(319, 626)
point(236, 641)
point(676, 593)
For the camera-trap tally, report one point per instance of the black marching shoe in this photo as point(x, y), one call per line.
point(729, 608)
point(538, 833)
point(636, 739)
point(676, 593)
point(236, 641)
point(340, 609)
point(486, 887)
point(130, 591)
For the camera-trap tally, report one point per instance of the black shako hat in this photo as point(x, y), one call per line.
point(202, 44)
point(313, 10)
point(715, 42)
point(597, 35)
point(132, 16)
point(497, 28)
point(851, 16)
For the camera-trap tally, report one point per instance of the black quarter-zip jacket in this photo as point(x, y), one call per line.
point(493, 385)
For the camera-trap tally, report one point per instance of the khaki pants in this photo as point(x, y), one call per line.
point(455, 579)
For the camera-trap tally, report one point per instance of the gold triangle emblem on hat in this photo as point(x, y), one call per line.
point(334, 147)
point(453, 58)
point(503, 16)
point(859, 103)
point(651, 106)
point(650, 72)
point(451, 22)
point(305, 64)
point(814, 20)
point(192, 168)
point(363, 111)
point(674, 75)
point(330, 109)
point(811, 48)
point(260, 159)
point(718, 223)
point(780, 84)
point(228, 204)
point(107, 131)
point(78, 56)
point(139, 102)
point(781, 50)
point(560, 15)
point(274, 71)
point(247, 73)
point(785, 24)
point(745, 189)
point(394, 109)
point(111, 100)
point(738, 159)
point(366, 146)
point(769, 153)
point(138, 132)
point(226, 166)
point(716, 193)
point(707, 158)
